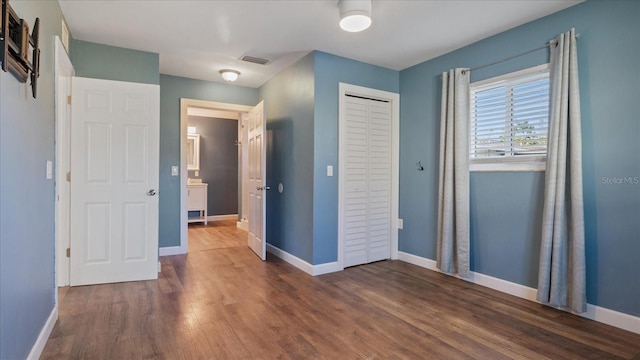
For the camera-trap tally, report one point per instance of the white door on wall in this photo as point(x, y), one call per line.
point(114, 181)
point(257, 178)
point(366, 166)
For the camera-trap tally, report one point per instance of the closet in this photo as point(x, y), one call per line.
point(366, 162)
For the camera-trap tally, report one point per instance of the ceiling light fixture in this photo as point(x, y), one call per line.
point(355, 15)
point(230, 75)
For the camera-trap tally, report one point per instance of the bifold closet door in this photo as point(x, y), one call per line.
point(367, 187)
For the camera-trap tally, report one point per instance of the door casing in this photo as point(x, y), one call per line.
point(63, 73)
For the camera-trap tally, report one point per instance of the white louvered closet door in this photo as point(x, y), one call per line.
point(367, 181)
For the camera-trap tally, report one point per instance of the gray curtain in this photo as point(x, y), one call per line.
point(453, 203)
point(561, 277)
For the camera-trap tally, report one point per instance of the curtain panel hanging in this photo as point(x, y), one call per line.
point(562, 276)
point(453, 200)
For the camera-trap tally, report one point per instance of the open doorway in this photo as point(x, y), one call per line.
point(214, 182)
point(209, 191)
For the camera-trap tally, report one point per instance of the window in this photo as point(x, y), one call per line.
point(509, 121)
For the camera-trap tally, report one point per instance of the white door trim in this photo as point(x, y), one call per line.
point(63, 73)
point(394, 98)
point(185, 104)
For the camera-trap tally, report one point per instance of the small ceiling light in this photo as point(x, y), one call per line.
point(355, 15)
point(230, 75)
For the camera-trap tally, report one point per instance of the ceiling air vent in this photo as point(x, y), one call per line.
point(255, 60)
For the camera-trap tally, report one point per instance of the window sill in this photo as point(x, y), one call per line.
point(507, 166)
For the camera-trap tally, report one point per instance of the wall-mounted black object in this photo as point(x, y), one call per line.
point(20, 52)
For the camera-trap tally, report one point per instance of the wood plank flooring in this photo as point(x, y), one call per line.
point(215, 235)
point(221, 302)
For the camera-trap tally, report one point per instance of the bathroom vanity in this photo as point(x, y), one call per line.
point(197, 201)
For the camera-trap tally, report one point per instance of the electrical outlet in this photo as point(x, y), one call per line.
point(329, 170)
point(400, 223)
point(174, 171)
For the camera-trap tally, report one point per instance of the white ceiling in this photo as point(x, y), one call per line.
point(196, 39)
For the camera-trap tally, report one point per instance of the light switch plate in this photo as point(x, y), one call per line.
point(49, 169)
point(174, 171)
point(329, 170)
point(400, 223)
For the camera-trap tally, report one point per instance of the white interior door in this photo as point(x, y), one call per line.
point(114, 180)
point(366, 170)
point(257, 187)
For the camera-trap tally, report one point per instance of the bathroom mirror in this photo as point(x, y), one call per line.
point(193, 152)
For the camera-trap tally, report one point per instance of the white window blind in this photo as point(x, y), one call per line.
point(509, 117)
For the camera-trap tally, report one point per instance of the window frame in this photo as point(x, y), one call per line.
point(504, 163)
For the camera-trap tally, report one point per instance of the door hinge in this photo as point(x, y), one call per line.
point(68, 176)
point(68, 252)
point(69, 99)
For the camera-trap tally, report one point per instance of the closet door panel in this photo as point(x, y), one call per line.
point(379, 168)
point(367, 181)
point(356, 204)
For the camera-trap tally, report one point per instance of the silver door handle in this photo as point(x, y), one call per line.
point(260, 188)
point(151, 192)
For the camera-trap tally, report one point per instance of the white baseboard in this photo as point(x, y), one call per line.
point(312, 270)
point(613, 318)
point(171, 250)
point(417, 260)
point(222, 217)
point(597, 313)
point(244, 225)
point(37, 348)
point(326, 268)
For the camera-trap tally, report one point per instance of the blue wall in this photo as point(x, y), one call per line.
point(302, 123)
point(329, 71)
point(27, 240)
point(289, 101)
point(172, 89)
point(506, 207)
point(100, 61)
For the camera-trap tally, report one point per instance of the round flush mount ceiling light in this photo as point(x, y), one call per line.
point(355, 15)
point(230, 75)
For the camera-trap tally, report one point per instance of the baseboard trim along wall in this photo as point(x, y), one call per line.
point(170, 250)
point(313, 270)
point(41, 341)
point(597, 313)
point(244, 225)
point(222, 217)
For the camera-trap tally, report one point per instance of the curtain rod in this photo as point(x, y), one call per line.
point(551, 42)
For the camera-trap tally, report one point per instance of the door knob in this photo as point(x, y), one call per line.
point(151, 192)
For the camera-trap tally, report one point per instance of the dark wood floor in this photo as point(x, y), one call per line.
point(222, 302)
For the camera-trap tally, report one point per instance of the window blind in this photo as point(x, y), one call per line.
point(510, 116)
